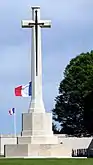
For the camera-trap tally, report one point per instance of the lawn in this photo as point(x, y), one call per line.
point(46, 161)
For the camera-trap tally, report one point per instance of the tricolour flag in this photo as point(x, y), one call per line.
point(11, 111)
point(24, 90)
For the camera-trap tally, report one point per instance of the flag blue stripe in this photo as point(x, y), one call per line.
point(13, 110)
point(30, 88)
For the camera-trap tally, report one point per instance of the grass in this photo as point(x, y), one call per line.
point(46, 161)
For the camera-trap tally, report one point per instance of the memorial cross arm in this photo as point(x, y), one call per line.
point(27, 23)
point(45, 23)
point(31, 23)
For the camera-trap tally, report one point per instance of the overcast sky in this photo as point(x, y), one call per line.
point(70, 35)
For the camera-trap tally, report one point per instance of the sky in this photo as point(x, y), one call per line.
point(71, 34)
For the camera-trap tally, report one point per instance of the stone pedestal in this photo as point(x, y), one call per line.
point(36, 138)
point(36, 124)
point(37, 150)
point(37, 129)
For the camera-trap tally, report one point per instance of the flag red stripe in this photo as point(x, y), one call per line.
point(18, 91)
point(9, 112)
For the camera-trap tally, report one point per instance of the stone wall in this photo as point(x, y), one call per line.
point(66, 143)
point(6, 139)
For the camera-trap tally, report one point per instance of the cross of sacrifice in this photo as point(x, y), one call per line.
point(36, 22)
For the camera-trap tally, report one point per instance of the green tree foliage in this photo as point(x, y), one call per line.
point(75, 90)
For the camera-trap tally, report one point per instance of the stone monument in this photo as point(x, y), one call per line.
point(37, 123)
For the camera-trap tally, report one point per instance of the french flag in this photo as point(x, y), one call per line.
point(11, 111)
point(24, 90)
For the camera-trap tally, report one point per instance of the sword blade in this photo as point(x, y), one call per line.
point(36, 35)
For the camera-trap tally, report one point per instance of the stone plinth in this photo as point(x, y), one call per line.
point(36, 150)
point(36, 136)
point(34, 124)
point(37, 129)
point(38, 140)
point(13, 150)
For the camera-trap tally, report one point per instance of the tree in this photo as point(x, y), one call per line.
point(88, 113)
point(70, 108)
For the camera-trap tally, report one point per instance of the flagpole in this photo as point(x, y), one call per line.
point(15, 124)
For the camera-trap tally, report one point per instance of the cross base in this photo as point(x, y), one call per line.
point(36, 124)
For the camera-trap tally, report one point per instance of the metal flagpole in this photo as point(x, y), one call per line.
point(15, 124)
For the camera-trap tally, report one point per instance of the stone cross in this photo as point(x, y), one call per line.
point(36, 24)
